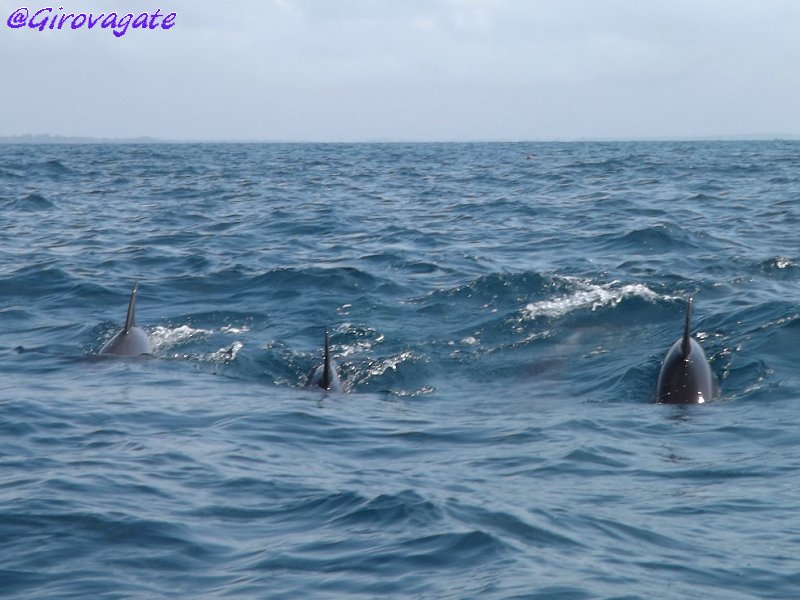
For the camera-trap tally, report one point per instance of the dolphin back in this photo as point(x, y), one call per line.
point(686, 376)
point(132, 340)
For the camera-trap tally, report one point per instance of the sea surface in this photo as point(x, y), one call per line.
point(499, 313)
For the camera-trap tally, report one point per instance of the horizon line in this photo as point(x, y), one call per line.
point(46, 138)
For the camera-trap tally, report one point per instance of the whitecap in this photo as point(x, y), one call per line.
point(378, 368)
point(226, 354)
point(588, 295)
point(166, 337)
point(234, 330)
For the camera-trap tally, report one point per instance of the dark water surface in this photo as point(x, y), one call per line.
point(499, 322)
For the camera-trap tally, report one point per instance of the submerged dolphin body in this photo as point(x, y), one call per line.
point(326, 376)
point(686, 377)
point(132, 340)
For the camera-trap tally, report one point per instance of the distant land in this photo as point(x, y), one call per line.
point(45, 138)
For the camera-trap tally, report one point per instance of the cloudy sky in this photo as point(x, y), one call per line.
point(353, 70)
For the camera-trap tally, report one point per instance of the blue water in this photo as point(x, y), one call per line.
point(499, 320)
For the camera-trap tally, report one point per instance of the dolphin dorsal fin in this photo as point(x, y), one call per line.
point(327, 375)
point(130, 318)
point(686, 342)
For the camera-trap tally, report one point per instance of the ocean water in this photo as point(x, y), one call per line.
point(499, 313)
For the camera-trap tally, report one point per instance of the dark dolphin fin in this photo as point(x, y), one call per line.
point(686, 342)
point(327, 374)
point(130, 319)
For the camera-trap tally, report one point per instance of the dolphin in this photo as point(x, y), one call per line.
point(686, 377)
point(132, 340)
point(326, 376)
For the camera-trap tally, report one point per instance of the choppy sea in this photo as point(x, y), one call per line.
point(499, 313)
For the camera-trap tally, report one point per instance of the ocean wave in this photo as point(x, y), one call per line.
point(591, 296)
point(165, 338)
point(31, 202)
point(499, 325)
point(779, 265)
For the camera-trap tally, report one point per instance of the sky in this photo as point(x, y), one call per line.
point(408, 70)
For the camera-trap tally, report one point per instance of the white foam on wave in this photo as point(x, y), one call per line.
point(380, 367)
point(219, 357)
point(234, 330)
point(165, 337)
point(358, 347)
point(588, 295)
point(227, 354)
point(367, 339)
